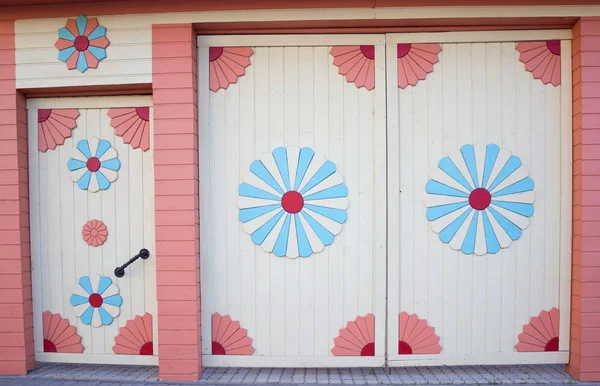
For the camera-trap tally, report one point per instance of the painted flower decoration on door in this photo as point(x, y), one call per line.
point(479, 199)
point(542, 59)
point(416, 336)
point(82, 43)
point(133, 125)
point(415, 61)
point(356, 63)
point(54, 126)
point(59, 335)
point(96, 300)
point(228, 338)
point(227, 64)
point(94, 164)
point(541, 333)
point(136, 337)
point(293, 202)
point(357, 338)
point(94, 233)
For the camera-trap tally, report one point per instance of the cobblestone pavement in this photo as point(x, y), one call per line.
point(105, 375)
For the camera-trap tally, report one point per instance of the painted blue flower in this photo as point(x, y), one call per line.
point(82, 43)
point(94, 164)
point(96, 300)
point(293, 202)
point(479, 199)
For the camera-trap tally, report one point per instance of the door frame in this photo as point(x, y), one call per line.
point(96, 102)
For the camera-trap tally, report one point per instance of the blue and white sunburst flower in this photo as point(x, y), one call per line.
point(82, 43)
point(96, 300)
point(94, 164)
point(479, 199)
point(293, 202)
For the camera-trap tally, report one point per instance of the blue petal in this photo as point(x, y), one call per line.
point(511, 165)
point(450, 169)
point(84, 181)
point(468, 245)
point(338, 215)
point(115, 300)
point(513, 231)
point(324, 235)
point(75, 164)
point(86, 284)
point(77, 300)
point(261, 233)
point(282, 240)
point(435, 212)
point(246, 190)
point(84, 148)
point(103, 182)
point(304, 160)
point(434, 187)
point(105, 316)
point(99, 53)
point(280, 156)
point(491, 153)
point(491, 242)
point(81, 24)
point(448, 233)
point(103, 146)
point(525, 185)
point(64, 55)
point(86, 317)
point(334, 192)
point(261, 172)
point(517, 207)
point(304, 248)
point(112, 164)
point(248, 214)
point(98, 32)
point(64, 33)
point(82, 64)
point(327, 169)
point(468, 153)
point(103, 284)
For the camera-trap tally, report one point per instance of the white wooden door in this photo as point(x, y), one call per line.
point(292, 200)
point(91, 181)
point(479, 161)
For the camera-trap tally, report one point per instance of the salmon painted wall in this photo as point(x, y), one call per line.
point(585, 318)
point(16, 322)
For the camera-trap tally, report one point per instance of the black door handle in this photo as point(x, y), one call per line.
point(144, 254)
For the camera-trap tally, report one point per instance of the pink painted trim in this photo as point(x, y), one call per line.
point(228, 338)
point(356, 63)
point(132, 124)
point(227, 64)
point(136, 337)
point(541, 333)
point(542, 59)
point(54, 126)
point(59, 335)
point(415, 61)
point(415, 336)
point(357, 338)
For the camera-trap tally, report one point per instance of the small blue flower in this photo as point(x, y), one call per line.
point(94, 172)
point(96, 303)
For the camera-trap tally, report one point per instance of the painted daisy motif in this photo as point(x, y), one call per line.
point(356, 63)
point(96, 300)
point(59, 335)
point(542, 59)
point(415, 61)
point(479, 199)
point(415, 336)
point(227, 64)
point(54, 126)
point(136, 337)
point(357, 338)
point(228, 338)
point(133, 125)
point(82, 43)
point(541, 333)
point(94, 233)
point(293, 202)
point(94, 164)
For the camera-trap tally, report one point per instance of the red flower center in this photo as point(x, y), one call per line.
point(49, 346)
point(43, 115)
point(292, 202)
point(217, 349)
point(554, 46)
point(95, 300)
point(81, 43)
point(552, 344)
point(214, 53)
point(147, 349)
point(403, 49)
point(143, 113)
point(480, 199)
point(368, 350)
point(93, 164)
point(368, 51)
point(404, 348)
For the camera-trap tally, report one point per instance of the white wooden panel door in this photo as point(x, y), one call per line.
point(478, 207)
point(91, 181)
point(292, 200)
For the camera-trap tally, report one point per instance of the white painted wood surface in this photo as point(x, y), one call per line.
point(59, 209)
point(292, 308)
point(477, 93)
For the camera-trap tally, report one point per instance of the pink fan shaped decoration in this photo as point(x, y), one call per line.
point(133, 125)
point(542, 59)
point(415, 61)
point(541, 333)
point(59, 335)
point(136, 337)
point(415, 336)
point(226, 65)
point(54, 126)
point(356, 63)
point(228, 338)
point(357, 338)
